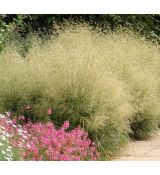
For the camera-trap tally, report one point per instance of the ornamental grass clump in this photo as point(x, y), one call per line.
point(134, 61)
point(107, 83)
point(67, 75)
point(81, 89)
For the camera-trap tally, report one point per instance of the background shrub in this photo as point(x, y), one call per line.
point(146, 25)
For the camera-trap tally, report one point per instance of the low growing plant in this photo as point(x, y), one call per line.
point(44, 142)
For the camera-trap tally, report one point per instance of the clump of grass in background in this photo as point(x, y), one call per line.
point(102, 82)
point(143, 87)
point(134, 61)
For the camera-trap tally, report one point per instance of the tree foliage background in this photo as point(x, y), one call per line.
point(147, 25)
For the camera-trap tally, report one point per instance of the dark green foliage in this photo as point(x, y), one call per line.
point(110, 139)
point(147, 25)
point(143, 129)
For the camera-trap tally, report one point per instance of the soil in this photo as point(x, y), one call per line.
point(142, 150)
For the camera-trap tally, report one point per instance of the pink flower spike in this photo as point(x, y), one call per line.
point(14, 120)
point(49, 111)
point(65, 125)
point(21, 117)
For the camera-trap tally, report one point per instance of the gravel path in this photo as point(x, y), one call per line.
point(143, 150)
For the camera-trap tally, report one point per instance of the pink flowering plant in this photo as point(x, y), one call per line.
point(48, 143)
point(42, 141)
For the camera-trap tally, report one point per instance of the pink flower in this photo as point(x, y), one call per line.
point(49, 111)
point(21, 117)
point(14, 121)
point(29, 106)
point(65, 125)
point(9, 114)
point(42, 141)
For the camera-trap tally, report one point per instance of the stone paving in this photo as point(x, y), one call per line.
point(143, 150)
